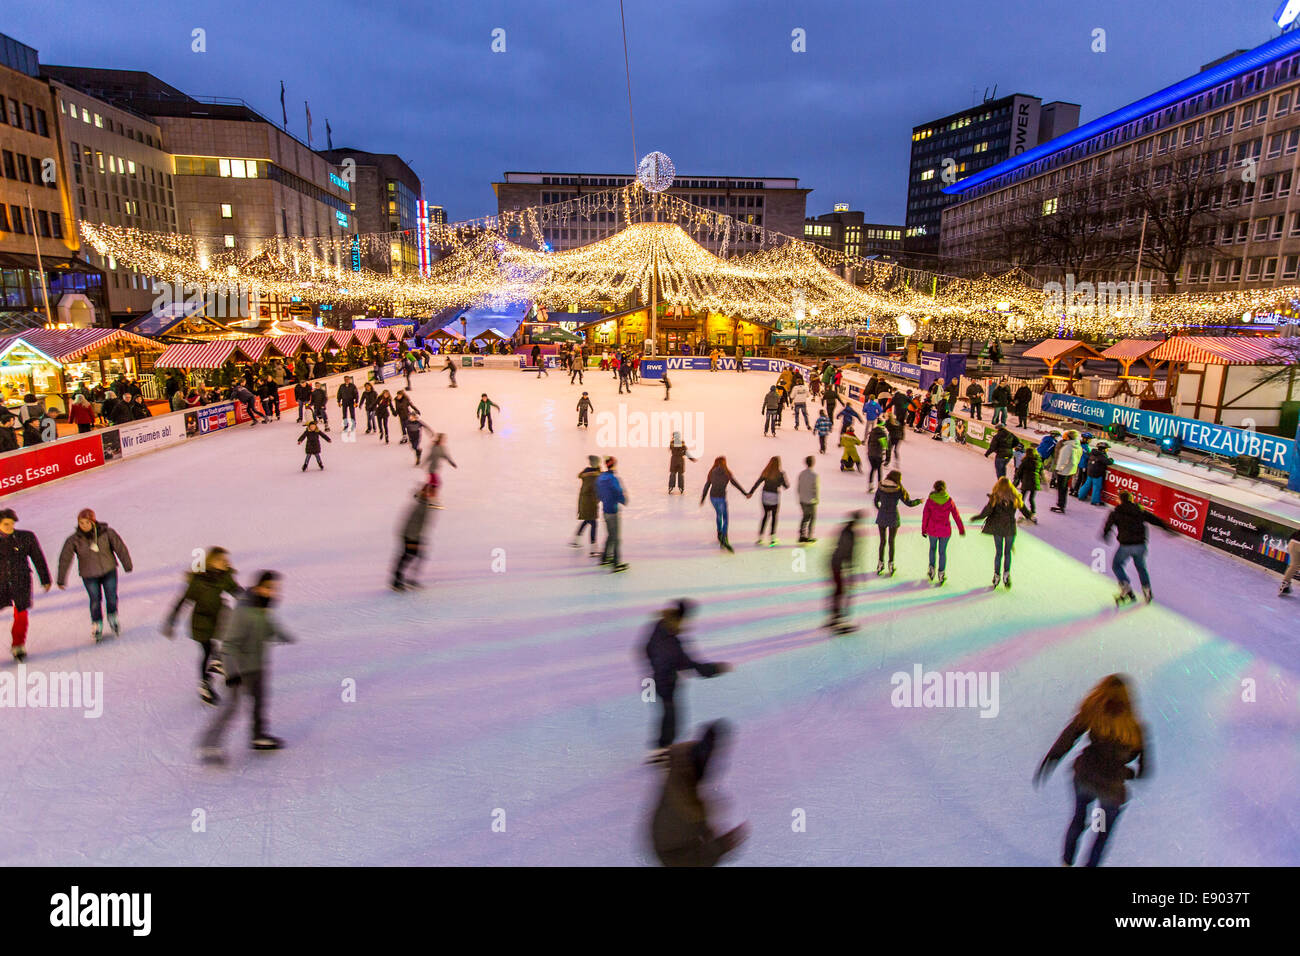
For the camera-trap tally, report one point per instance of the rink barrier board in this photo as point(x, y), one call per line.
point(37, 465)
point(1247, 534)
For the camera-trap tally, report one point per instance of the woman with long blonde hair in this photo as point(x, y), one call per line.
point(999, 517)
point(1115, 739)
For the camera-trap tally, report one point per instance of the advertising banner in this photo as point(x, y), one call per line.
point(50, 461)
point(1256, 539)
point(1273, 451)
point(898, 369)
point(653, 368)
point(1184, 512)
point(148, 435)
point(209, 418)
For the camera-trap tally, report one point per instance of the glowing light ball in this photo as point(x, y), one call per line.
point(655, 172)
point(905, 325)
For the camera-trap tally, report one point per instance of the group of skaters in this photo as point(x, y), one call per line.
point(681, 830)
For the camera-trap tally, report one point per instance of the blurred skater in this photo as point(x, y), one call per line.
point(668, 655)
point(204, 589)
point(679, 830)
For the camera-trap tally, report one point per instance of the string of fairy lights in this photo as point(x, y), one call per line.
point(659, 239)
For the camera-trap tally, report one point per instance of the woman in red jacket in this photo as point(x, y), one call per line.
point(81, 413)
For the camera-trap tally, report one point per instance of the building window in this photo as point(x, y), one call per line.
point(99, 121)
point(1289, 266)
point(226, 211)
point(1049, 206)
point(230, 242)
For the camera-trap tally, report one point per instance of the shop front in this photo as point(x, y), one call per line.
point(54, 363)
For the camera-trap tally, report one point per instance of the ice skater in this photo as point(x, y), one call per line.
point(204, 589)
point(19, 553)
point(677, 455)
point(588, 504)
point(937, 518)
point(383, 408)
point(246, 398)
point(850, 460)
point(773, 479)
point(576, 369)
point(1029, 477)
point(1292, 564)
point(98, 549)
point(1002, 447)
point(244, 636)
point(369, 399)
point(313, 435)
point(346, 396)
point(842, 563)
point(437, 455)
point(1115, 740)
point(888, 497)
point(484, 411)
point(1129, 521)
point(877, 451)
point(999, 517)
point(450, 367)
point(612, 495)
point(808, 488)
point(319, 405)
point(411, 534)
point(403, 407)
point(668, 386)
point(668, 656)
point(771, 411)
point(584, 406)
point(821, 428)
point(1066, 456)
point(799, 401)
point(680, 831)
point(715, 488)
point(302, 398)
point(415, 429)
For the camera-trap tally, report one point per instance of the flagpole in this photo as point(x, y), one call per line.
point(36, 236)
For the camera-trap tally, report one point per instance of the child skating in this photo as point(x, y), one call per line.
point(313, 435)
point(584, 407)
point(484, 411)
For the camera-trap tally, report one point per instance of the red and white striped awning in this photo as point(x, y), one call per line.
point(288, 344)
point(65, 345)
point(317, 341)
point(254, 348)
point(341, 338)
point(1053, 350)
point(1228, 350)
point(363, 336)
point(1131, 350)
point(198, 354)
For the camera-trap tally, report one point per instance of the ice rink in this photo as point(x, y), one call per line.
point(512, 681)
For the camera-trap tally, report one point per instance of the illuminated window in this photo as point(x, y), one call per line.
point(230, 242)
point(1049, 207)
point(224, 166)
point(928, 174)
point(99, 121)
point(130, 166)
point(226, 211)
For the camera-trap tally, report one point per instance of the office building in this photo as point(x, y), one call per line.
point(847, 231)
point(777, 204)
point(1209, 161)
point(385, 200)
point(38, 241)
point(967, 142)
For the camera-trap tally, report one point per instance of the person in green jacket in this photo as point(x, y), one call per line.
point(204, 589)
point(485, 406)
point(1029, 477)
point(244, 635)
point(588, 503)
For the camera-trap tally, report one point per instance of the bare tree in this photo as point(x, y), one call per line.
point(1176, 202)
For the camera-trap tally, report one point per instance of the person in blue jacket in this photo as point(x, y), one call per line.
point(610, 491)
point(847, 415)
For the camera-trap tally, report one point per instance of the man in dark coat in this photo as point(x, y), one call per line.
point(667, 656)
point(347, 398)
point(18, 550)
point(302, 395)
point(679, 829)
point(1003, 448)
point(843, 559)
point(269, 395)
point(1024, 394)
point(204, 589)
point(319, 403)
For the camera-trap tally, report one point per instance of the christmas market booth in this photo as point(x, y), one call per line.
point(1130, 352)
point(1245, 381)
point(54, 363)
point(1071, 354)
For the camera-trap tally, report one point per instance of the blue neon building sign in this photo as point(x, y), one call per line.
point(342, 218)
point(1286, 14)
point(340, 182)
point(1262, 55)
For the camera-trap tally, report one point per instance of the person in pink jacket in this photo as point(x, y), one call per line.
point(936, 524)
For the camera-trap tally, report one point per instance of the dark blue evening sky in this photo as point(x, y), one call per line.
point(715, 84)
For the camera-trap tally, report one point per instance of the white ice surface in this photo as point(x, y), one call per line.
point(521, 690)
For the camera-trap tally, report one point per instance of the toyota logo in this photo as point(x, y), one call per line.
point(1186, 510)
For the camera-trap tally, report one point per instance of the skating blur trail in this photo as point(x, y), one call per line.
point(512, 682)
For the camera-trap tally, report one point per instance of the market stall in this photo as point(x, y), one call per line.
point(1071, 353)
point(1232, 380)
point(1129, 352)
point(53, 363)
